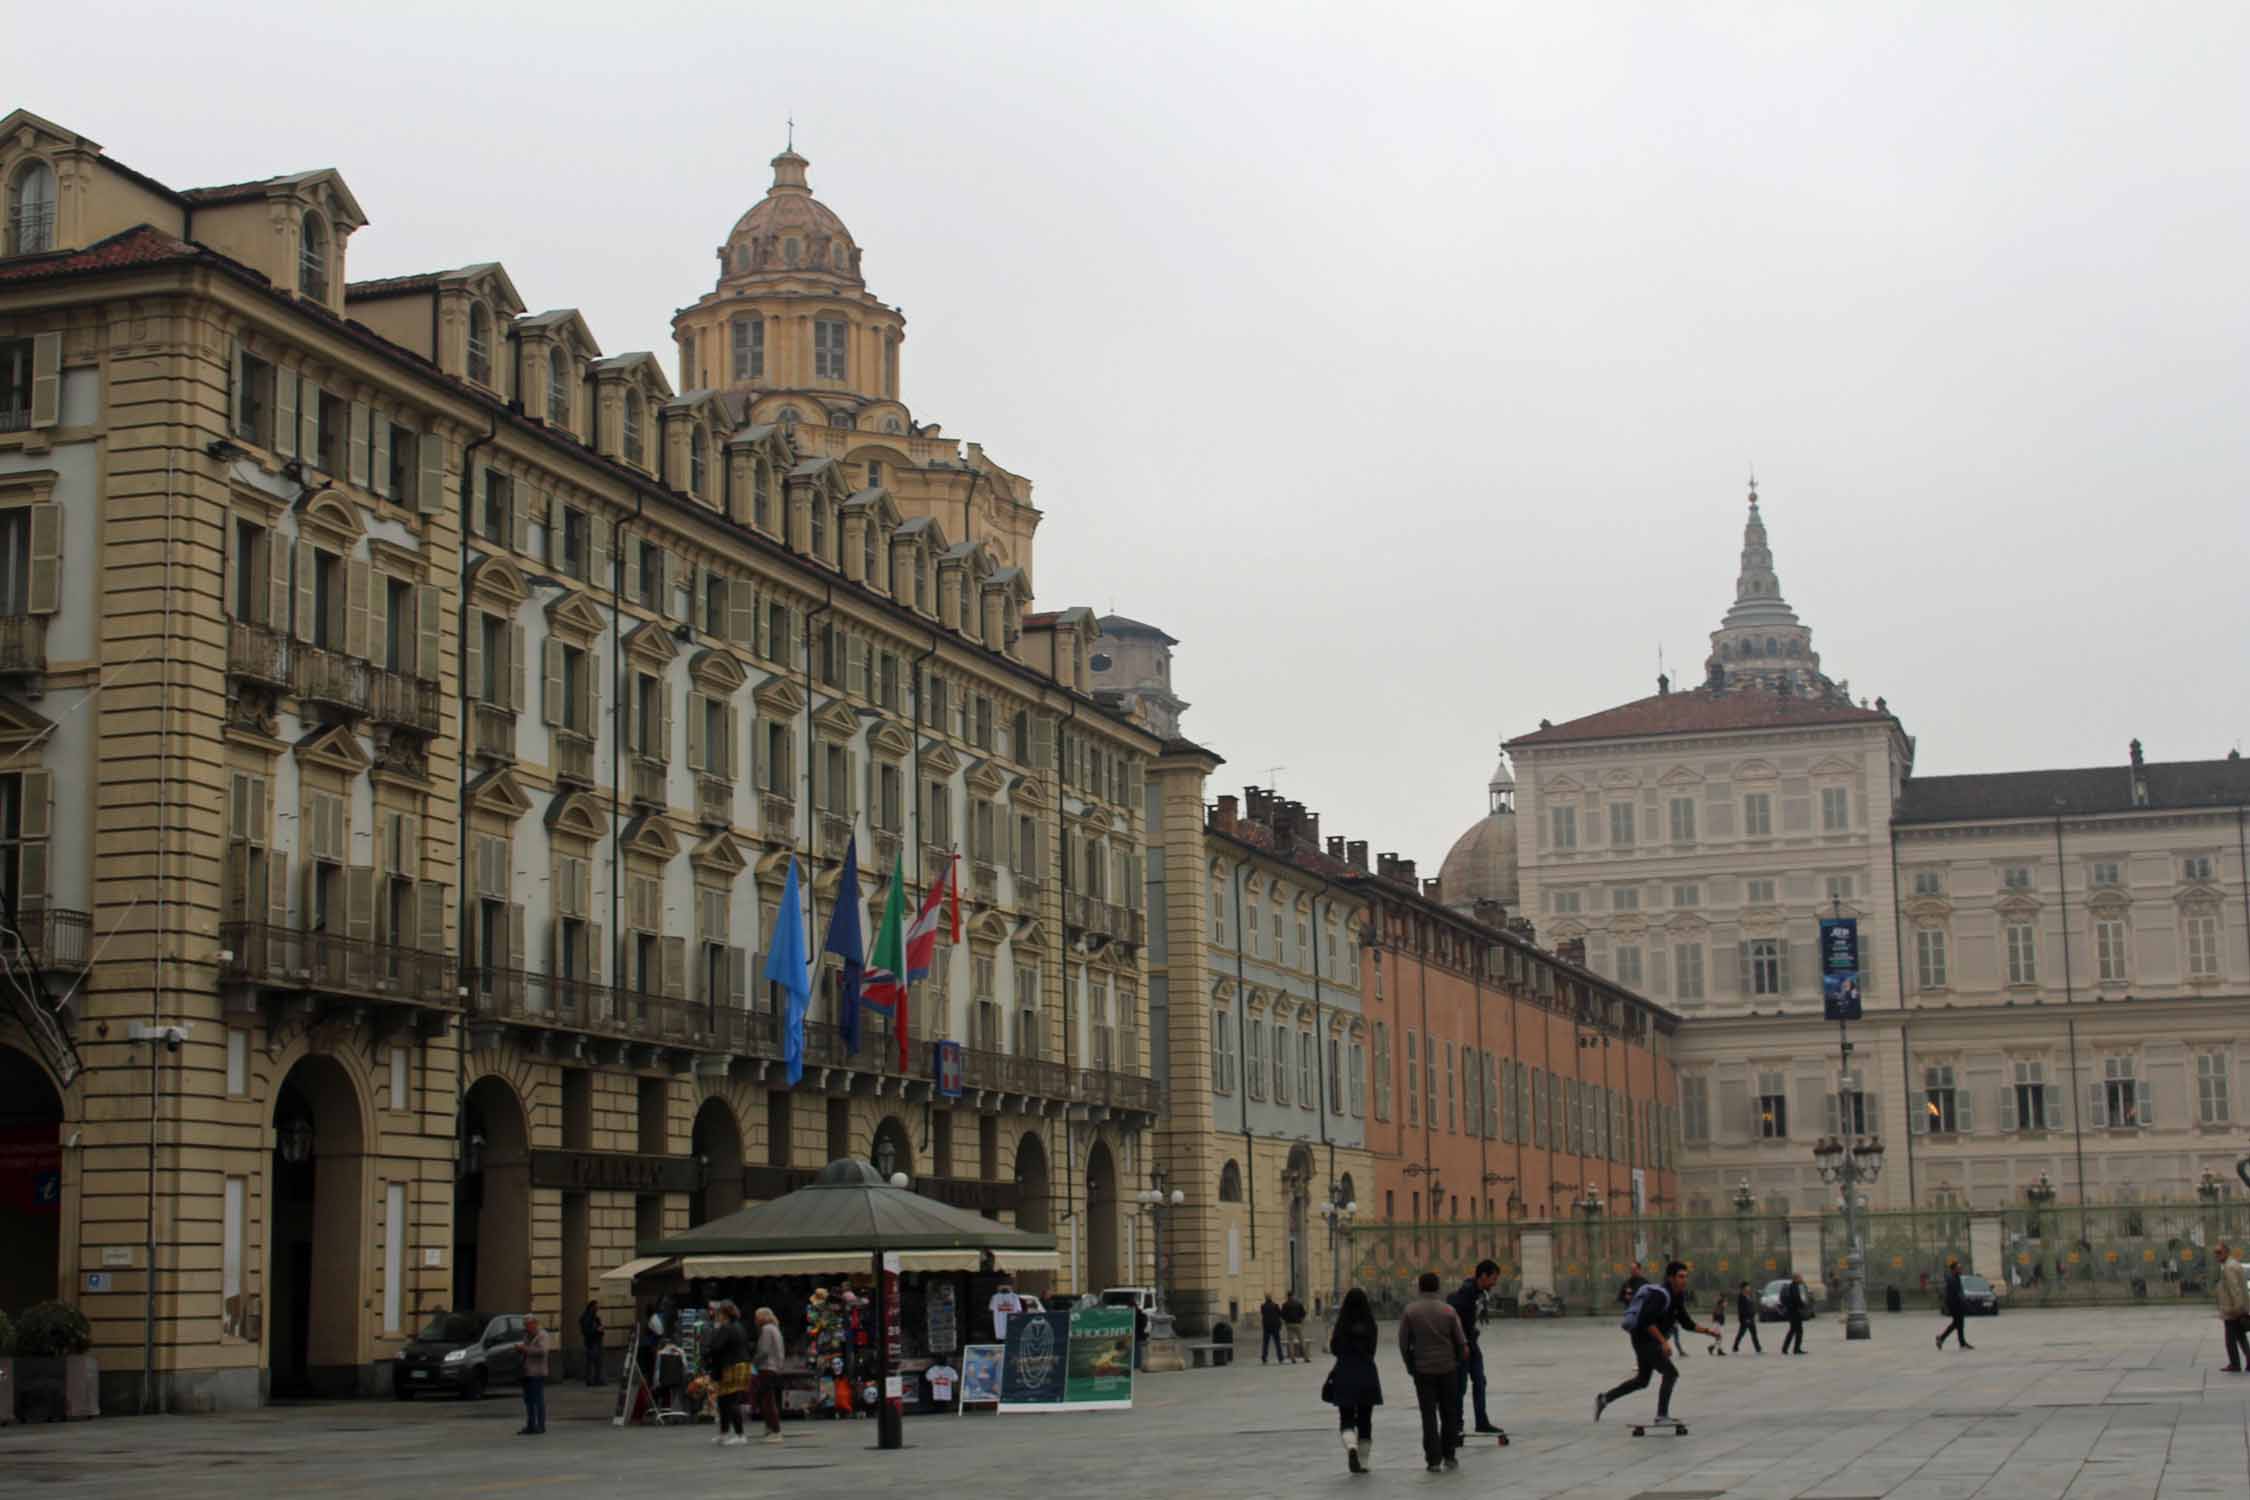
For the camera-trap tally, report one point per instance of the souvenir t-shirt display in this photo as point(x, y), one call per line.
point(941, 1379)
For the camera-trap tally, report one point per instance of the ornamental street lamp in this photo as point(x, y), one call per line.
point(2209, 1188)
point(1848, 1163)
point(1744, 1199)
point(1338, 1211)
point(1156, 1203)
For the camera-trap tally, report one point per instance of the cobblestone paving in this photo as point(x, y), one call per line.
point(2097, 1405)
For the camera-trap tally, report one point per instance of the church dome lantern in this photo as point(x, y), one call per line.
point(790, 232)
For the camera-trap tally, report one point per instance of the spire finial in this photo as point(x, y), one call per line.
point(792, 124)
point(1753, 484)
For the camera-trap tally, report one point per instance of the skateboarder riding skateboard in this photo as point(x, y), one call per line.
point(1657, 1313)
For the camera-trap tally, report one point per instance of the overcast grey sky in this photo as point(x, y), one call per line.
point(1406, 361)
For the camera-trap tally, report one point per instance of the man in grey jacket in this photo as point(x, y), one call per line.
point(1434, 1348)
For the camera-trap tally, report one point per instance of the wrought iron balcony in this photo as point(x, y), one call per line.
point(835, 835)
point(984, 881)
point(396, 698)
point(648, 779)
point(53, 940)
point(283, 958)
point(23, 643)
point(777, 817)
point(574, 758)
point(887, 843)
point(1116, 1090)
point(261, 655)
point(1083, 913)
point(492, 732)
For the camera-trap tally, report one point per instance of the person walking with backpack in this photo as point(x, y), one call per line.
point(1796, 1302)
point(1432, 1344)
point(1955, 1306)
point(1746, 1319)
point(1293, 1329)
point(2234, 1310)
point(1355, 1386)
point(1467, 1303)
point(1653, 1322)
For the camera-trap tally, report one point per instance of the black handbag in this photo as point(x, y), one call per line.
point(1328, 1387)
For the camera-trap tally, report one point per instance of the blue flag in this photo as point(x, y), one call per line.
point(786, 966)
point(844, 942)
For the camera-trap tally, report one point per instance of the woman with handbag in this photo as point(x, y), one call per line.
point(730, 1363)
point(1354, 1387)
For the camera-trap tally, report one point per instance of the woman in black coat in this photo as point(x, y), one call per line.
point(1354, 1387)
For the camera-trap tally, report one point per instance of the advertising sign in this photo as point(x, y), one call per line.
point(980, 1374)
point(947, 1069)
point(1101, 1359)
point(943, 1313)
point(1031, 1376)
point(1839, 968)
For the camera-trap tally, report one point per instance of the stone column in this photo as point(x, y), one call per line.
point(1194, 1233)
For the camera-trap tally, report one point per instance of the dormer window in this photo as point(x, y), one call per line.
point(843, 419)
point(819, 509)
point(867, 551)
point(480, 344)
point(558, 388)
point(761, 500)
point(31, 209)
point(921, 580)
point(698, 462)
point(828, 348)
point(633, 427)
point(312, 259)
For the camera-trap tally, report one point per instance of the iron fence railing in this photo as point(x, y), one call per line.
point(23, 643)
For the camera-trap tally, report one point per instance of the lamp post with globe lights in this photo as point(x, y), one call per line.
point(1338, 1212)
point(1848, 1163)
point(1156, 1203)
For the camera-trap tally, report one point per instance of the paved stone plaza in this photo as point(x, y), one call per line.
point(2103, 1405)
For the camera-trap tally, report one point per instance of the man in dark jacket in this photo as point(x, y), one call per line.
point(1432, 1344)
point(1633, 1282)
point(1746, 1318)
point(1468, 1305)
point(1269, 1320)
point(1796, 1302)
point(1955, 1305)
point(1655, 1318)
point(1293, 1329)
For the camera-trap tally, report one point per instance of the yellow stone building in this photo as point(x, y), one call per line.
point(410, 715)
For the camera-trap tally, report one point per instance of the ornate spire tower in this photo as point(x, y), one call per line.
point(1761, 642)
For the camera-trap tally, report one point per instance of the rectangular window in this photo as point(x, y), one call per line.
point(1928, 883)
point(2196, 868)
point(1308, 1069)
point(1757, 815)
point(2105, 873)
point(2033, 1098)
point(1566, 901)
point(2211, 1101)
point(1621, 825)
point(1566, 827)
point(497, 517)
point(1773, 1107)
point(254, 401)
point(1429, 1080)
point(1839, 889)
point(398, 1076)
point(2109, 949)
point(1413, 1079)
point(828, 348)
point(749, 348)
point(1687, 971)
point(1929, 958)
point(2203, 945)
point(1629, 965)
point(1758, 893)
point(2016, 878)
point(1450, 1120)
point(1382, 1070)
point(2122, 1097)
point(1625, 898)
point(2023, 953)
point(394, 1257)
point(1687, 895)
point(238, 1061)
point(234, 1228)
point(1835, 809)
point(1253, 930)
point(1765, 966)
point(1695, 1107)
point(1683, 820)
point(1944, 1104)
point(17, 371)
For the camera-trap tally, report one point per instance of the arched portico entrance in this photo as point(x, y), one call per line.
point(718, 1155)
point(1034, 1209)
point(1296, 1178)
point(30, 1182)
point(492, 1203)
point(1102, 1260)
point(316, 1268)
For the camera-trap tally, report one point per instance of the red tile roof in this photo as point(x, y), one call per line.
point(384, 286)
point(1697, 711)
point(139, 246)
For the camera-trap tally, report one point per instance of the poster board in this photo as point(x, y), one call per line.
point(1081, 1360)
point(942, 1310)
point(980, 1374)
point(1037, 1358)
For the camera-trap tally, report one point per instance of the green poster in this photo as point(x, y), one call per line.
point(1100, 1370)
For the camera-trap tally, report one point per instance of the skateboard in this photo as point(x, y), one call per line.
point(1679, 1429)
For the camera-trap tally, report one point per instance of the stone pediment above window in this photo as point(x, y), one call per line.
point(835, 720)
point(1756, 770)
point(1029, 934)
point(986, 776)
point(773, 869)
point(651, 641)
point(1029, 791)
point(988, 926)
point(1680, 776)
point(651, 835)
point(1256, 1003)
point(890, 740)
point(1620, 780)
point(779, 698)
point(2198, 900)
point(574, 616)
point(20, 725)
point(875, 506)
point(1565, 931)
point(497, 584)
point(1830, 765)
point(924, 531)
point(719, 855)
point(498, 791)
point(1929, 908)
point(576, 814)
point(716, 672)
point(2018, 904)
point(1358, 1028)
point(939, 757)
point(1563, 786)
point(335, 748)
point(1223, 991)
point(1629, 926)
point(327, 516)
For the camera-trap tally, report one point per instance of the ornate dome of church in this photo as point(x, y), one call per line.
point(789, 230)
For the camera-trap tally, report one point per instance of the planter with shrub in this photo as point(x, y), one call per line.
point(54, 1376)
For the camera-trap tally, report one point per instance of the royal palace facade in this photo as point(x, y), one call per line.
point(411, 712)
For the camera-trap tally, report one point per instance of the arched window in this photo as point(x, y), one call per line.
point(790, 249)
point(843, 419)
point(558, 388)
point(633, 426)
point(312, 258)
point(480, 344)
point(867, 550)
point(1230, 1182)
point(1795, 647)
point(761, 498)
point(698, 463)
point(742, 257)
point(31, 209)
point(819, 524)
point(789, 416)
point(1772, 647)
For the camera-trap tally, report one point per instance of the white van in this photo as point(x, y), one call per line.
point(1139, 1298)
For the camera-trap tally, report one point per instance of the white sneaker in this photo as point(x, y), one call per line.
point(736, 1440)
point(717, 1440)
point(1367, 1454)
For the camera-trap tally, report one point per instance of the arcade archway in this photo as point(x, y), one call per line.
point(315, 1250)
point(718, 1155)
point(31, 1115)
point(492, 1202)
point(1102, 1263)
point(1034, 1210)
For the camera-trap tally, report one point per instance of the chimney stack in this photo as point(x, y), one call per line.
point(1224, 817)
point(1355, 855)
point(1336, 847)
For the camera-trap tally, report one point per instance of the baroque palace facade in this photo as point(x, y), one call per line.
point(2056, 964)
point(413, 710)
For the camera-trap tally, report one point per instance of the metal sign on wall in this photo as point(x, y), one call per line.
point(946, 1068)
point(619, 1171)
